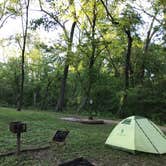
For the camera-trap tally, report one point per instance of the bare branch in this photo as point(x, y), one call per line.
point(1, 25)
point(19, 43)
point(150, 15)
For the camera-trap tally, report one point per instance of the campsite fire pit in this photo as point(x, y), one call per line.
point(18, 128)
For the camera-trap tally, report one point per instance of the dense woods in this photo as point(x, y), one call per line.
point(111, 52)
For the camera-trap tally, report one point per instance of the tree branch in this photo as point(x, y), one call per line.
point(1, 25)
point(151, 15)
point(55, 18)
point(109, 14)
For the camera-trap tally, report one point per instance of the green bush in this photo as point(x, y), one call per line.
point(148, 101)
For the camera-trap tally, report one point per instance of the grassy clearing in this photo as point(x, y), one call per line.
point(84, 140)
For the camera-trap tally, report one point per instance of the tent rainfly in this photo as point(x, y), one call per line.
point(137, 133)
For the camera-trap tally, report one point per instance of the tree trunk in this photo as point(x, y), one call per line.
point(91, 61)
point(34, 98)
point(45, 99)
point(145, 51)
point(112, 63)
point(128, 59)
point(128, 73)
point(90, 71)
point(132, 76)
point(17, 88)
point(20, 96)
point(122, 103)
point(150, 34)
point(61, 101)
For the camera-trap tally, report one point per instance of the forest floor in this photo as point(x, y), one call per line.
point(83, 141)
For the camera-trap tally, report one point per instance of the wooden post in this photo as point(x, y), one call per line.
point(18, 143)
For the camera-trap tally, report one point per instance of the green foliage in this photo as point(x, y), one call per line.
point(105, 95)
point(43, 22)
point(103, 46)
point(148, 101)
point(105, 100)
point(130, 18)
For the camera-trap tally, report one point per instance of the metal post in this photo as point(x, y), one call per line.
point(18, 142)
point(90, 106)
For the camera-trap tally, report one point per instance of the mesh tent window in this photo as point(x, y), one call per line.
point(126, 121)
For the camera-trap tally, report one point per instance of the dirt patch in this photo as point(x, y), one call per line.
point(163, 128)
point(77, 162)
point(85, 121)
point(98, 121)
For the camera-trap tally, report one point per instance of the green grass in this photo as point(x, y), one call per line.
point(83, 140)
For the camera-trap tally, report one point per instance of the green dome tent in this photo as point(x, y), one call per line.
point(137, 134)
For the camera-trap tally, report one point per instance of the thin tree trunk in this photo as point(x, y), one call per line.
point(117, 73)
point(123, 99)
point(145, 52)
point(45, 99)
point(90, 71)
point(128, 59)
point(128, 72)
point(91, 60)
point(61, 101)
point(150, 34)
point(20, 99)
point(34, 98)
point(17, 89)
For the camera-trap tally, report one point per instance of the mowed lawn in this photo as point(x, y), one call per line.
point(83, 141)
